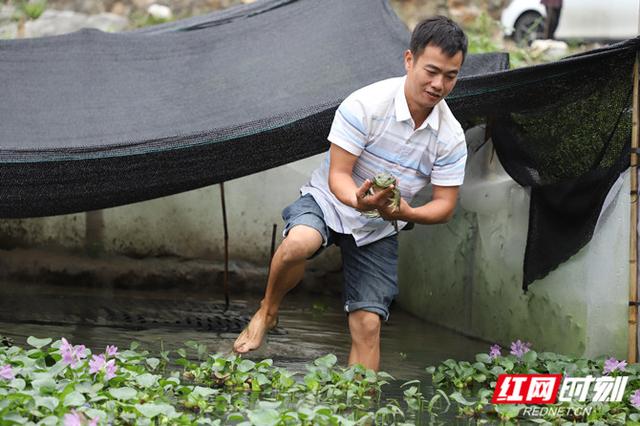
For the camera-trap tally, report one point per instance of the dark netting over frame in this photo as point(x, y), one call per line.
point(568, 139)
point(92, 120)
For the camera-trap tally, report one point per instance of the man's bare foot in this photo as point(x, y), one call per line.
point(252, 336)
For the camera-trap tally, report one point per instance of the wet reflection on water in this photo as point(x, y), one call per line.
point(310, 326)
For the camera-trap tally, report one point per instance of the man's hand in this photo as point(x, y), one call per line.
point(378, 201)
point(403, 212)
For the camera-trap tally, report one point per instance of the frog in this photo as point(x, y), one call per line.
point(380, 182)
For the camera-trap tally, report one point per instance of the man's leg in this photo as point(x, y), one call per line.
point(365, 339)
point(370, 284)
point(287, 269)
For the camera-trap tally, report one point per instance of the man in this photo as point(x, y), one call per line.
point(401, 126)
point(554, 7)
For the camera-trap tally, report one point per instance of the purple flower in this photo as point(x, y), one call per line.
point(494, 351)
point(96, 363)
point(519, 348)
point(6, 372)
point(71, 354)
point(73, 419)
point(111, 350)
point(612, 364)
point(110, 369)
point(635, 399)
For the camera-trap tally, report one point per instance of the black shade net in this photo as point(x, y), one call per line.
point(91, 120)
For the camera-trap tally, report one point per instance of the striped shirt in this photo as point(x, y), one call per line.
point(374, 124)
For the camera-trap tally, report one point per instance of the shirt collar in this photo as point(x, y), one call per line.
point(403, 114)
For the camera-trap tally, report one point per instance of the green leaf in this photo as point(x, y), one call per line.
point(268, 405)
point(385, 376)
point(530, 357)
point(92, 413)
point(123, 394)
point(181, 352)
point(264, 417)
point(46, 384)
point(261, 379)
point(235, 417)
point(18, 384)
point(15, 418)
point(49, 421)
point(74, 399)
point(497, 370)
point(479, 378)
point(408, 393)
point(38, 343)
point(457, 397)
point(484, 358)
point(507, 364)
point(203, 392)
point(153, 363)
point(48, 402)
point(147, 380)
point(410, 382)
point(327, 361)
point(246, 365)
point(151, 409)
point(508, 411)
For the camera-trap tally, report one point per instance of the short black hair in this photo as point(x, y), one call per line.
point(440, 31)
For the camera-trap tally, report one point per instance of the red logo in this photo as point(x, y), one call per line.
point(526, 389)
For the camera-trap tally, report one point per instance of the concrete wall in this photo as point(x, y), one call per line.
point(467, 274)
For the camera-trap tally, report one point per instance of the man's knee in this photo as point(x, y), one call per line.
point(300, 244)
point(364, 326)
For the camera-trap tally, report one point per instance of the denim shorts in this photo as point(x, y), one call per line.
point(370, 272)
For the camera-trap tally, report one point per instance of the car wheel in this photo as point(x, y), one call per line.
point(529, 27)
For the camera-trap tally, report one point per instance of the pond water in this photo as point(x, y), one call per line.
point(310, 326)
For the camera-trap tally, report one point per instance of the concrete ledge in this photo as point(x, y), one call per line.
point(169, 272)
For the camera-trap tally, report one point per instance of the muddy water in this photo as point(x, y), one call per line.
point(310, 326)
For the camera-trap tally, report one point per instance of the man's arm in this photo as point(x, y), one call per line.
point(342, 185)
point(439, 210)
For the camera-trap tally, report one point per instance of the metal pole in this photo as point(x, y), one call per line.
point(226, 249)
point(632, 350)
point(273, 248)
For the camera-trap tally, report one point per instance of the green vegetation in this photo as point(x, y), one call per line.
point(471, 386)
point(50, 381)
point(31, 9)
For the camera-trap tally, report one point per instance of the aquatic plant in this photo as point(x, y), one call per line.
point(50, 381)
point(471, 385)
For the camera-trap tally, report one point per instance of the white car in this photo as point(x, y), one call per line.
point(579, 19)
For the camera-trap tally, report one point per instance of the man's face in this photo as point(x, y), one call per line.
point(430, 76)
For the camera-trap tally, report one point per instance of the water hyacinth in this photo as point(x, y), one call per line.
point(612, 364)
point(111, 350)
point(72, 355)
point(494, 351)
point(96, 363)
point(110, 369)
point(75, 418)
point(149, 390)
point(6, 372)
point(519, 348)
point(99, 363)
point(635, 399)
